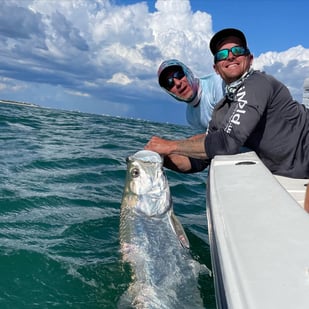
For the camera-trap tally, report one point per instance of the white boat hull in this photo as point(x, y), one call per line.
point(259, 235)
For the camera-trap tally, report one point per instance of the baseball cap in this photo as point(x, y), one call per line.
point(222, 34)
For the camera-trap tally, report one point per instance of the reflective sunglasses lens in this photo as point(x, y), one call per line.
point(224, 53)
point(238, 51)
point(221, 55)
point(179, 75)
point(170, 81)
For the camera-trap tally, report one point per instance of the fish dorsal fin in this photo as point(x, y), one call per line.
point(179, 231)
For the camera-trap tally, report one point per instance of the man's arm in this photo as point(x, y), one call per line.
point(177, 163)
point(192, 147)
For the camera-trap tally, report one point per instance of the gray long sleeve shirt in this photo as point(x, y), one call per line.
point(264, 117)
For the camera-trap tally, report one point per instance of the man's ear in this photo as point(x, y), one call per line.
point(251, 59)
point(215, 68)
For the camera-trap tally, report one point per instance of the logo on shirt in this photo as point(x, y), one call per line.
point(238, 111)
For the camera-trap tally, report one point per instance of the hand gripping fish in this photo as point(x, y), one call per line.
point(153, 241)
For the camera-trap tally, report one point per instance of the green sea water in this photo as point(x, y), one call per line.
point(61, 180)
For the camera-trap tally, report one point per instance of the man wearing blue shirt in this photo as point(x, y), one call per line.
point(200, 94)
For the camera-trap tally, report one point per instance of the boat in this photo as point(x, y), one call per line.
point(259, 235)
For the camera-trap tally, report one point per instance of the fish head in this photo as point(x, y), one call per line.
point(146, 189)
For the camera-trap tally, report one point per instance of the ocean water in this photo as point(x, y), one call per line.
point(62, 175)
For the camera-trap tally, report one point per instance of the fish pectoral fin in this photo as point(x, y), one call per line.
point(179, 231)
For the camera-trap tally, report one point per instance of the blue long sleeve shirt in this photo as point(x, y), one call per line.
point(212, 92)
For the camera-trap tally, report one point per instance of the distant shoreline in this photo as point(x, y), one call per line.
point(18, 103)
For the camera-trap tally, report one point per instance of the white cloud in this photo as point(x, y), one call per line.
point(180, 33)
point(77, 93)
point(90, 47)
point(120, 78)
point(298, 53)
point(290, 66)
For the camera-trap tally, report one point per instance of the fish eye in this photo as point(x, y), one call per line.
point(135, 172)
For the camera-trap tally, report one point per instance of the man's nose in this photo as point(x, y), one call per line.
point(230, 55)
point(177, 82)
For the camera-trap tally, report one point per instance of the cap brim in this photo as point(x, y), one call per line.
point(221, 35)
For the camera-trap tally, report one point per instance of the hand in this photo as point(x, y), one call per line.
point(160, 145)
point(193, 147)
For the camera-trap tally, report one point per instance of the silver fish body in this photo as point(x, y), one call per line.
point(153, 242)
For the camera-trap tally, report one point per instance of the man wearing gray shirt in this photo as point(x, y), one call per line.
point(257, 112)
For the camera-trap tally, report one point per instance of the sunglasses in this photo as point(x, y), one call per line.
point(235, 50)
point(169, 82)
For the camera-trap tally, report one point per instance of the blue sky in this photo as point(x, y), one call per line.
point(101, 56)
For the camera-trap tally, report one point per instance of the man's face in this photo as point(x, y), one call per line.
point(178, 84)
point(233, 67)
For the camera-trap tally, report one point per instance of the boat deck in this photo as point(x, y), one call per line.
point(258, 235)
point(296, 188)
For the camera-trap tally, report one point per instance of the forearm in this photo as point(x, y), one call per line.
point(195, 137)
point(192, 147)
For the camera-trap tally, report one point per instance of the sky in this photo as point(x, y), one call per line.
point(102, 56)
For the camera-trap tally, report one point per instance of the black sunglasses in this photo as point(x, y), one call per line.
point(169, 82)
point(235, 50)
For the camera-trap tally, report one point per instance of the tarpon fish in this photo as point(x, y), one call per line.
point(153, 241)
